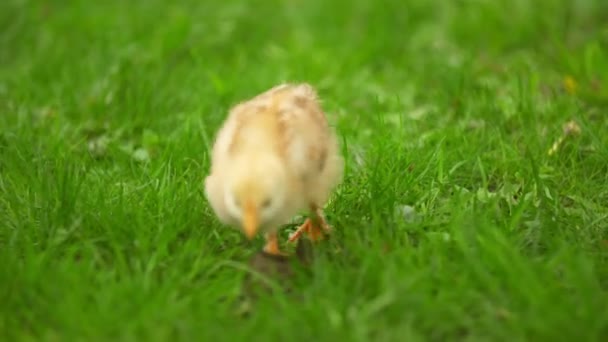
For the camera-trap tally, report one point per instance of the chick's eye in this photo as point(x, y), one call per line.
point(266, 203)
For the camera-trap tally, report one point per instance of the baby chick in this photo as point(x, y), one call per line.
point(274, 156)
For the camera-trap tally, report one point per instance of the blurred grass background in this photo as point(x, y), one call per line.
point(453, 222)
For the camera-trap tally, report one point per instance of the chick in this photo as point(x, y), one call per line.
point(274, 156)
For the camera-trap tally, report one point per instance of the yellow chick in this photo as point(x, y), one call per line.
point(274, 156)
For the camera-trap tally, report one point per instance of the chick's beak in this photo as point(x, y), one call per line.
point(250, 220)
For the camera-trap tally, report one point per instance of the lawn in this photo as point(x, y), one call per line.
point(456, 219)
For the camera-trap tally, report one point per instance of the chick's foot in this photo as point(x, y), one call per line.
point(315, 229)
point(272, 245)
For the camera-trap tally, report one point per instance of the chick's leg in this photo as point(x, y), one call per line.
point(315, 226)
point(272, 245)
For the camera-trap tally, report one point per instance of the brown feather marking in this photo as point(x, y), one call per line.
point(309, 105)
point(323, 159)
point(301, 102)
point(283, 134)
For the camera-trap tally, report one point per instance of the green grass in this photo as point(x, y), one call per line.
point(108, 108)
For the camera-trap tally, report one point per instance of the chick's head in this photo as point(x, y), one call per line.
point(256, 192)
